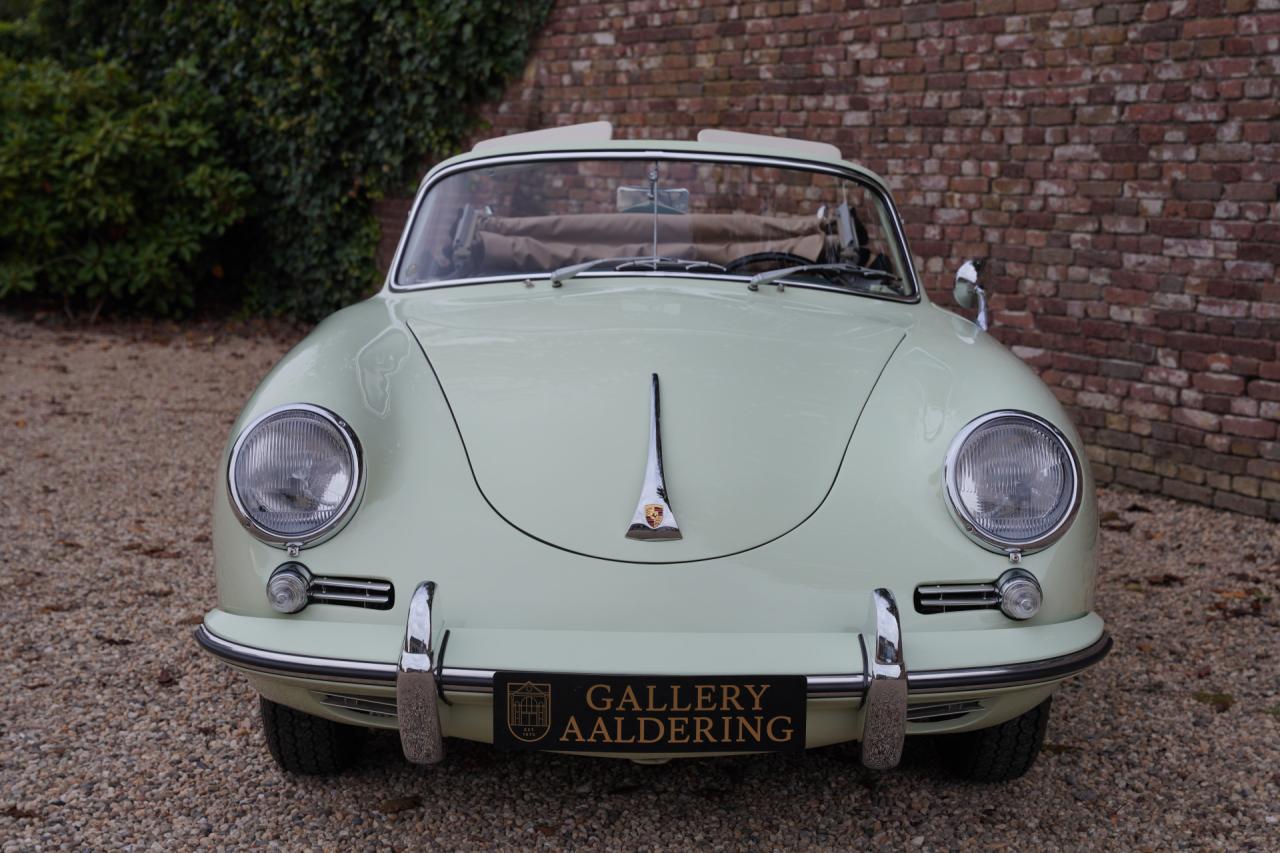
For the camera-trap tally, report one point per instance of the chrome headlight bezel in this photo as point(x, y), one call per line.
point(345, 510)
point(974, 529)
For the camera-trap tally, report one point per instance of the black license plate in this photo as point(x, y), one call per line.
point(634, 713)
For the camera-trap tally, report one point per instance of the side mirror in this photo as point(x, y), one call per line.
point(968, 292)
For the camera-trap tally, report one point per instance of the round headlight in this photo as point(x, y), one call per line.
point(294, 474)
point(1013, 480)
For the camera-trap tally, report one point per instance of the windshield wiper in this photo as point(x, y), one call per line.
point(823, 269)
point(563, 274)
point(681, 263)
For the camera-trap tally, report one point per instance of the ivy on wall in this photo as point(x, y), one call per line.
point(107, 194)
point(326, 106)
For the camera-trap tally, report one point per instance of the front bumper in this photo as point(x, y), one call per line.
point(876, 679)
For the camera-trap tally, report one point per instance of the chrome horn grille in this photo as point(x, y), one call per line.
point(353, 592)
point(947, 597)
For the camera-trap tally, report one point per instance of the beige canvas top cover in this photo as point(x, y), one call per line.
point(549, 242)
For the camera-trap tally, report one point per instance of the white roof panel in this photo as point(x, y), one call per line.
point(588, 133)
point(794, 147)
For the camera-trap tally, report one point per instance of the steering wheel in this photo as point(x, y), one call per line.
point(788, 258)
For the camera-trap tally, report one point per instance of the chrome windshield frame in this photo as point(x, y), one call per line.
point(393, 285)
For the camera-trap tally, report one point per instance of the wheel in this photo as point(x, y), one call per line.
point(999, 753)
point(787, 258)
point(301, 743)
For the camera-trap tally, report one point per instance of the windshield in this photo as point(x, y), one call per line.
point(693, 217)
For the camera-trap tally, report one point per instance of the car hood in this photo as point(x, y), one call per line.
point(550, 390)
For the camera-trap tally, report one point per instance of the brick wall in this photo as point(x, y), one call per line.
point(1118, 163)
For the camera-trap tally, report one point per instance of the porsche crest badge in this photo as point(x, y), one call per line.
point(653, 520)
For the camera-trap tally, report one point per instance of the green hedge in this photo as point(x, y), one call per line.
point(108, 195)
point(328, 105)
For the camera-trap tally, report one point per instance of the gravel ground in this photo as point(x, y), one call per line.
point(117, 733)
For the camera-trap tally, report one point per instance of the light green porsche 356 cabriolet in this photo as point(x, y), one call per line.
point(655, 449)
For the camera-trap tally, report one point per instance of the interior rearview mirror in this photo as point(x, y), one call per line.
point(638, 200)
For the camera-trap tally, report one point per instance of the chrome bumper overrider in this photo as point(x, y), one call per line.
point(416, 688)
point(883, 684)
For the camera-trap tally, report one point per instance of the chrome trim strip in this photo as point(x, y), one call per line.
point(292, 665)
point(653, 494)
point(349, 501)
point(985, 603)
point(439, 173)
point(373, 599)
point(836, 686)
point(1010, 674)
point(970, 527)
point(464, 680)
point(416, 692)
point(662, 274)
point(375, 706)
point(884, 718)
point(941, 710)
point(458, 680)
point(349, 583)
point(386, 707)
point(956, 588)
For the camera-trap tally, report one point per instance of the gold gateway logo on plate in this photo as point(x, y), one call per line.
point(529, 710)
point(653, 515)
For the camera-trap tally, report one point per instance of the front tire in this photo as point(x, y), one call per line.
point(301, 743)
point(1000, 753)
